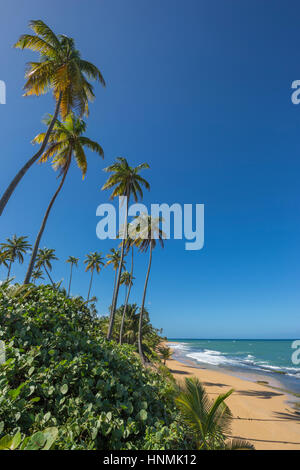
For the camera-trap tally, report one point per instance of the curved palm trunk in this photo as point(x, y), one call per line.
point(9, 269)
point(91, 281)
point(140, 340)
point(113, 297)
point(48, 274)
point(38, 238)
point(113, 309)
point(70, 279)
point(6, 196)
point(126, 301)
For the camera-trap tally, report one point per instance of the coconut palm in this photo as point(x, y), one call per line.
point(94, 262)
point(126, 182)
point(73, 262)
point(37, 274)
point(114, 259)
point(14, 249)
point(126, 279)
point(165, 353)
point(61, 70)
point(149, 233)
point(131, 324)
point(209, 420)
point(65, 141)
point(44, 260)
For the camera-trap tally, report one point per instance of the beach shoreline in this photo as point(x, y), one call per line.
point(262, 414)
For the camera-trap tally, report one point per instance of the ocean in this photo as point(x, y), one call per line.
point(253, 359)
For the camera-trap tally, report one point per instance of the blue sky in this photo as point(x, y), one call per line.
point(201, 91)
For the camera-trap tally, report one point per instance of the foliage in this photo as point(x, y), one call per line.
point(150, 334)
point(13, 249)
point(125, 179)
point(94, 261)
point(44, 258)
point(60, 372)
point(165, 353)
point(66, 140)
point(41, 440)
point(60, 69)
point(208, 420)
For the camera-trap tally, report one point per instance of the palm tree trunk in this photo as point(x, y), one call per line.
point(6, 196)
point(9, 269)
point(140, 340)
point(48, 274)
point(88, 297)
point(38, 238)
point(114, 288)
point(70, 279)
point(126, 300)
point(113, 309)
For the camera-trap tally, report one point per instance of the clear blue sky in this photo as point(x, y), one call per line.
point(201, 91)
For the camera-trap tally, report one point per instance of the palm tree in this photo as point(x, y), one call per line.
point(114, 259)
point(43, 260)
point(209, 420)
point(13, 249)
point(131, 324)
point(126, 279)
point(94, 261)
point(73, 261)
point(165, 353)
point(126, 181)
point(66, 140)
point(148, 232)
point(37, 274)
point(61, 70)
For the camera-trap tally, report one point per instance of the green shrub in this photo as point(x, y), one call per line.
point(60, 372)
point(41, 440)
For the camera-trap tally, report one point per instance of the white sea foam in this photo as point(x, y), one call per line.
point(178, 346)
point(212, 357)
point(234, 359)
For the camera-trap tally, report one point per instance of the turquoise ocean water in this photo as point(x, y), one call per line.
point(269, 358)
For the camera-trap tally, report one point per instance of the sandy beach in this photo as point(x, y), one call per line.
point(261, 414)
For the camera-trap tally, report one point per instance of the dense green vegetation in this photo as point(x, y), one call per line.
point(151, 336)
point(61, 372)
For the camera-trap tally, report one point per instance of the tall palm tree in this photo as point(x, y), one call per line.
point(148, 234)
point(94, 262)
point(126, 279)
point(126, 182)
point(44, 260)
point(14, 249)
point(209, 420)
point(65, 141)
point(37, 274)
point(114, 259)
point(61, 70)
point(73, 262)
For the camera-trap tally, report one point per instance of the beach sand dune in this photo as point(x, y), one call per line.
point(261, 414)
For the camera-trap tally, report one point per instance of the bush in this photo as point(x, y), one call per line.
point(60, 372)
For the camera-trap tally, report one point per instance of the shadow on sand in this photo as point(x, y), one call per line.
point(258, 394)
